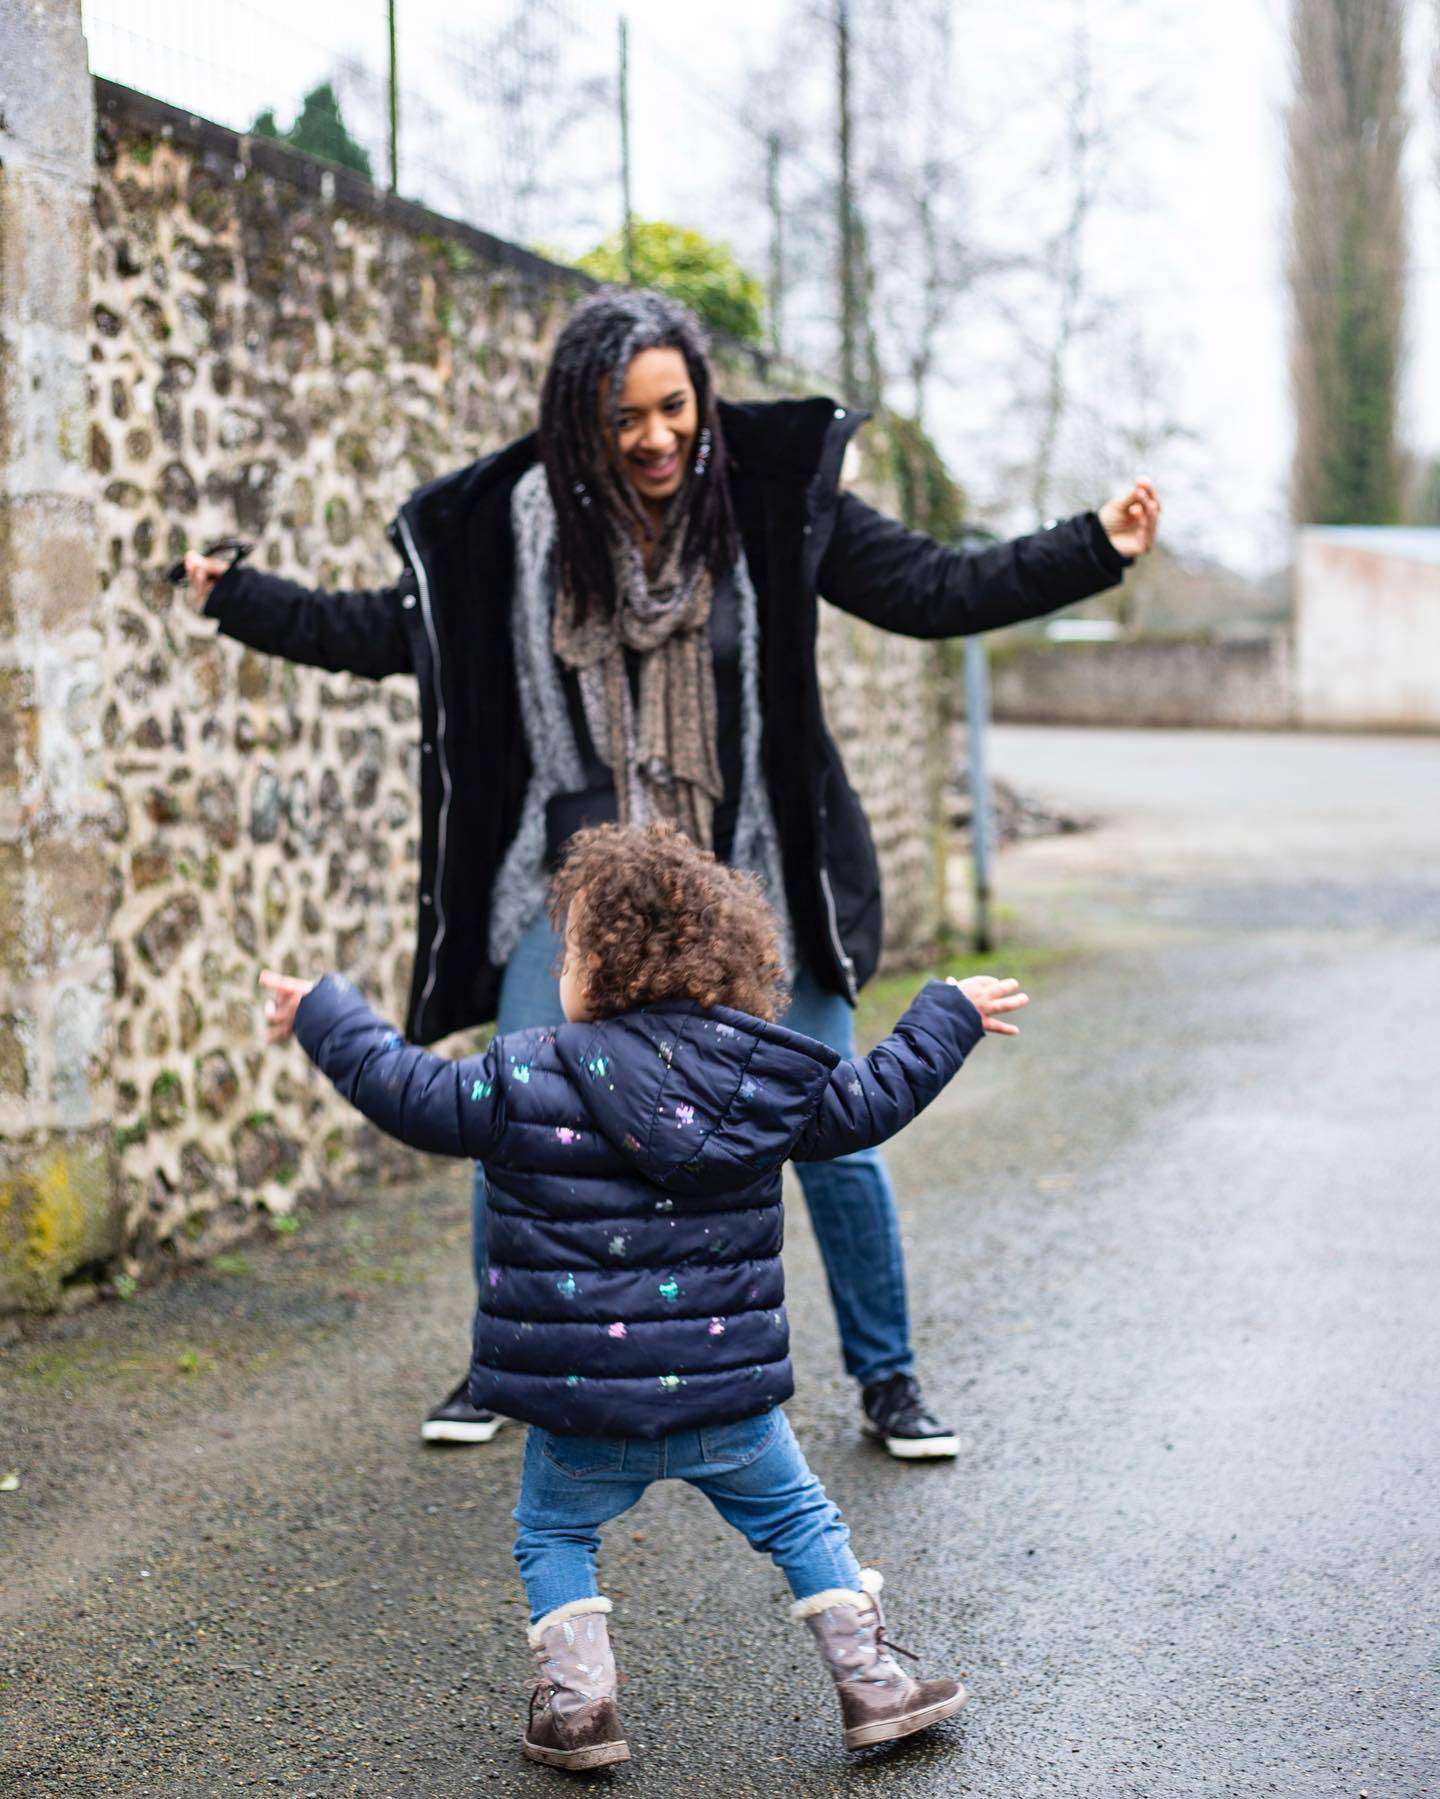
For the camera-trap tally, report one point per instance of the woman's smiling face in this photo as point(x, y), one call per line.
point(657, 424)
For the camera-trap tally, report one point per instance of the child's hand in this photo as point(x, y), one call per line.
point(284, 996)
point(992, 998)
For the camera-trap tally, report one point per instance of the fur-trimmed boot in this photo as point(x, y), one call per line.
point(878, 1699)
point(573, 1720)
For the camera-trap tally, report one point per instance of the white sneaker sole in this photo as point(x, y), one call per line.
point(922, 1449)
point(916, 1449)
point(442, 1430)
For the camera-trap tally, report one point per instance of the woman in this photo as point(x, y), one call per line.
point(616, 617)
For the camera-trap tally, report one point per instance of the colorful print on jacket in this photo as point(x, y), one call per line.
point(633, 1167)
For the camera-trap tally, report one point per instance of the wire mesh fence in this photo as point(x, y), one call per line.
point(508, 116)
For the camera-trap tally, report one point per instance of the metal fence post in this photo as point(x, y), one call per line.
point(977, 719)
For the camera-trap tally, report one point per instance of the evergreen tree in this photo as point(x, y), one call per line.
point(319, 130)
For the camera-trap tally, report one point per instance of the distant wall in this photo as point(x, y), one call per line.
point(277, 348)
point(1367, 628)
point(1164, 682)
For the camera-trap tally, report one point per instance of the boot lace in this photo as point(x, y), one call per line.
point(886, 1647)
point(883, 1644)
point(542, 1691)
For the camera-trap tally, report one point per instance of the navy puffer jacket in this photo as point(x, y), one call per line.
point(634, 1166)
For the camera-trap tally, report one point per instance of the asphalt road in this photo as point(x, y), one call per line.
point(1174, 1257)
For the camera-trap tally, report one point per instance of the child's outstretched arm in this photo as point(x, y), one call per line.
point(870, 1098)
point(448, 1108)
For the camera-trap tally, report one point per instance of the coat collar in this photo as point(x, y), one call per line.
point(798, 442)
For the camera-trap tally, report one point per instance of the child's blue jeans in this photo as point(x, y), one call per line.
point(754, 1473)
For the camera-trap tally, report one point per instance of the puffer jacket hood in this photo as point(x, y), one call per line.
point(633, 1284)
point(743, 1093)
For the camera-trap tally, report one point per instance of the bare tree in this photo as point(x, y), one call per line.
point(945, 266)
point(1084, 158)
point(521, 171)
point(911, 248)
point(913, 198)
point(1347, 257)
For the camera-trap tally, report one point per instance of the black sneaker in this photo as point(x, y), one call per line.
point(896, 1414)
point(455, 1420)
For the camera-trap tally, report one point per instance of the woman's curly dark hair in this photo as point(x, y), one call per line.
point(661, 919)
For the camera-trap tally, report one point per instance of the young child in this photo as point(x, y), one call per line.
point(634, 1309)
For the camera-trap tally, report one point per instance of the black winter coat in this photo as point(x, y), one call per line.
point(447, 620)
point(633, 1173)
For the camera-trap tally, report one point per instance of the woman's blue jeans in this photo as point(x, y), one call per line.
point(850, 1200)
point(754, 1473)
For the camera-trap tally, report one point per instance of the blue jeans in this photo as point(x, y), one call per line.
point(754, 1473)
point(850, 1200)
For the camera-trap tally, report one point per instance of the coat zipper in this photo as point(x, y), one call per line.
point(422, 580)
point(846, 966)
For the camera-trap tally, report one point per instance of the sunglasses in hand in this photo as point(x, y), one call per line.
point(233, 547)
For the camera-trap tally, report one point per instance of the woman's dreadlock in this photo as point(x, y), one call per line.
point(602, 336)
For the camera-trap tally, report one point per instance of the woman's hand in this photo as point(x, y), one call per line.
point(993, 998)
point(285, 994)
point(202, 572)
point(1131, 519)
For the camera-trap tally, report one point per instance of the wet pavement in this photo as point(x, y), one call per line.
point(1174, 1257)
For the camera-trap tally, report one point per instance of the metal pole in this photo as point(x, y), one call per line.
point(629, 228)
point(394, 104)
point(977, 719)
point(849, 272)
point(777, 239)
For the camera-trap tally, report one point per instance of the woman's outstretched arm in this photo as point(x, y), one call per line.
point(904, 581)
point(360, 632)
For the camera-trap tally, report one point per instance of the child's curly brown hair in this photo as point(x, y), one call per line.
point(661, 919)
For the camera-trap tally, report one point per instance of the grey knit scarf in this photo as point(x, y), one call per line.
point(663, 751)
point(519, 892)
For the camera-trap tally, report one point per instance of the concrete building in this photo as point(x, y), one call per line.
point(1367, 627)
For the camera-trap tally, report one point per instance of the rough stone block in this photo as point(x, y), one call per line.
point(264, 1153)
point(167, 930)
point(217, 1086)
point(45, 230)
point(78, 1016)
point(71, 897)
point(14, 952)
point(17, 1034)
point(57, 1214)
point(49, 94)
point(19, 726)
point(44, 425)
point(49, 577)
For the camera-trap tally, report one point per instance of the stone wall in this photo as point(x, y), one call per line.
point(1246, 683)
point(279, 352)
point(56, 1193)
point(277, 349)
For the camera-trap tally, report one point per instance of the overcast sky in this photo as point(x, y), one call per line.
point(1190, 245)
